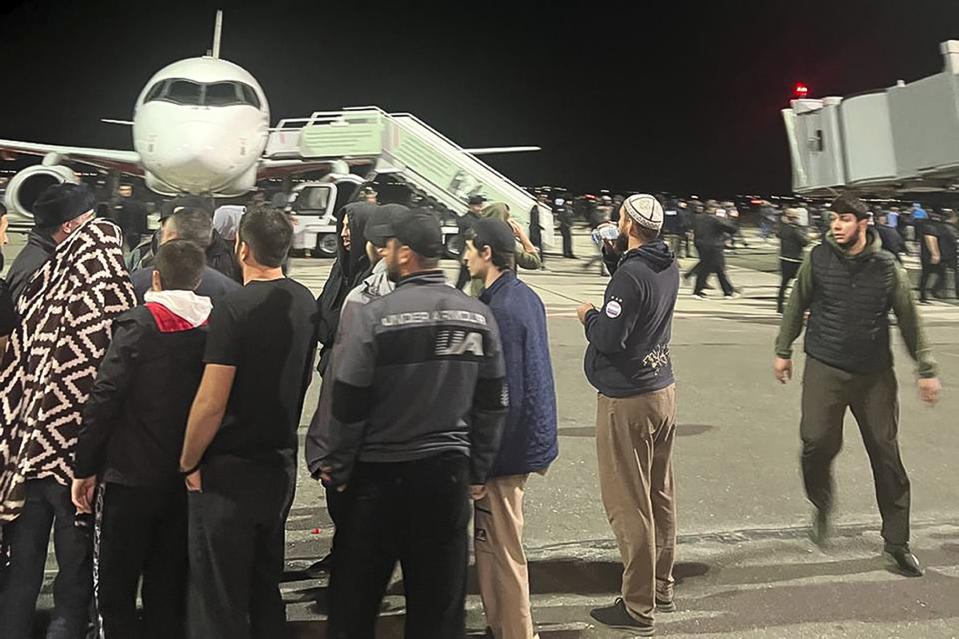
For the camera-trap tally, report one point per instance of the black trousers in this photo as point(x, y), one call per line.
point(699, 253)
point(942, 279)
point(414, 513)
point(236, 535)
point(712, 261)
point(143, 531)
point(47, 505)
point(789, 270)
point(566, 231)
point(874, 401)
point(929, 271)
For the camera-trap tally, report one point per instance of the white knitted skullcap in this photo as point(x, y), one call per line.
point(645, 210)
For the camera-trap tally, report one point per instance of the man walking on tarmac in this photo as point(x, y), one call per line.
point(849, 285)
point(628, 362)
point(711, 235)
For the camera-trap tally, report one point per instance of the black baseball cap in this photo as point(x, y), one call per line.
point(494, 233)
point(379, 226)
point(420, 230)
point(476, 199)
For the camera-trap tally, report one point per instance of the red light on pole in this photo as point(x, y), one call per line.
point(800, 90)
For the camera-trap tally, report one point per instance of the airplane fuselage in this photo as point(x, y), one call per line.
point(200, 126)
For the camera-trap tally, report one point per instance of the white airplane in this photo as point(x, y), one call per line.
point(200, 126)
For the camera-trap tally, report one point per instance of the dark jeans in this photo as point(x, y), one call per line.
point(712, 261)
point(928, 271)
point(566, 231)
point(827, 393)
point(143, 531)
point(236, 535)
point(47, 504)
point(789, 270)
point(415, 513)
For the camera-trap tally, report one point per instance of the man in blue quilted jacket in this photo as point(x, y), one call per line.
point(529, 441)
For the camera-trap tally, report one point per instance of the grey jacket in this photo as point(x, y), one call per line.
point(421, 374)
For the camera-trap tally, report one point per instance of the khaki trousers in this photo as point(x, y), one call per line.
point(500, 560)
point(634, 443)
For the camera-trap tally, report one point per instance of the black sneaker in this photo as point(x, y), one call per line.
point(906, 562)
point(819, 531)
point(616, 616)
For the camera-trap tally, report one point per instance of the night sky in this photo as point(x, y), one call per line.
point(677, 96)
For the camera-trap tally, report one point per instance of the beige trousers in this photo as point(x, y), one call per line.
point(500, 560)
point(634, 443)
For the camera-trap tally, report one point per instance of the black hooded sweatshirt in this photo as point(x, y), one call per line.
point(220, 257)
point(350, 268)
point(31, 257)
point(628, 352)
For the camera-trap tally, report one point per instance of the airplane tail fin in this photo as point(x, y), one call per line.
point(217, 31)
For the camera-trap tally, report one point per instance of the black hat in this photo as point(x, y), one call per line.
point(494, 233)
point(420, 230)
point(379, 226)
point(61, 203)
point(476, 199)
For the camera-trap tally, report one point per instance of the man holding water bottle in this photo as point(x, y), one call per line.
point(628, 362)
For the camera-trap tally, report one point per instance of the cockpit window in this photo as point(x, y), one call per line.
point(250, 96)
point(221, 93)
point(214, 94)
point(156, 91)
point(183, 92)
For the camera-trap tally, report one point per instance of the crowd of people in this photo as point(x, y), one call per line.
point(150, 417)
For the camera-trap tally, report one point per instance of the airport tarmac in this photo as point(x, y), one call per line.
point(745, 568)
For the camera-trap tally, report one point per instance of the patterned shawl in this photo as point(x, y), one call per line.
point(51, 359)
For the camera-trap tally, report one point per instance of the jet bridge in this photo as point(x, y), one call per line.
point(408, 149)
point(901, 139)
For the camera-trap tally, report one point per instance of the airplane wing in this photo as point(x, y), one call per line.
point(125, 161)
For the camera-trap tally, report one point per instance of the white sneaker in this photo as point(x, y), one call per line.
point(735, 295)
point(700, 296)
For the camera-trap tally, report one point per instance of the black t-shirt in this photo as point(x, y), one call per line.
point(928, 227)
point(267, 330)
point(8, 315)
point(947, 242)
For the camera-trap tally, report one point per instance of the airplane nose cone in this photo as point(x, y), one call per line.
point(198, 156)
point(200, 148)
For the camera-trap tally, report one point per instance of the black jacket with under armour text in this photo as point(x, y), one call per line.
point(422, 374)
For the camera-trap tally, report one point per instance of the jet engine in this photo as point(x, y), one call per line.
point(27, 185)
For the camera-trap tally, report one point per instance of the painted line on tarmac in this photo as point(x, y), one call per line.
point(748, 534)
